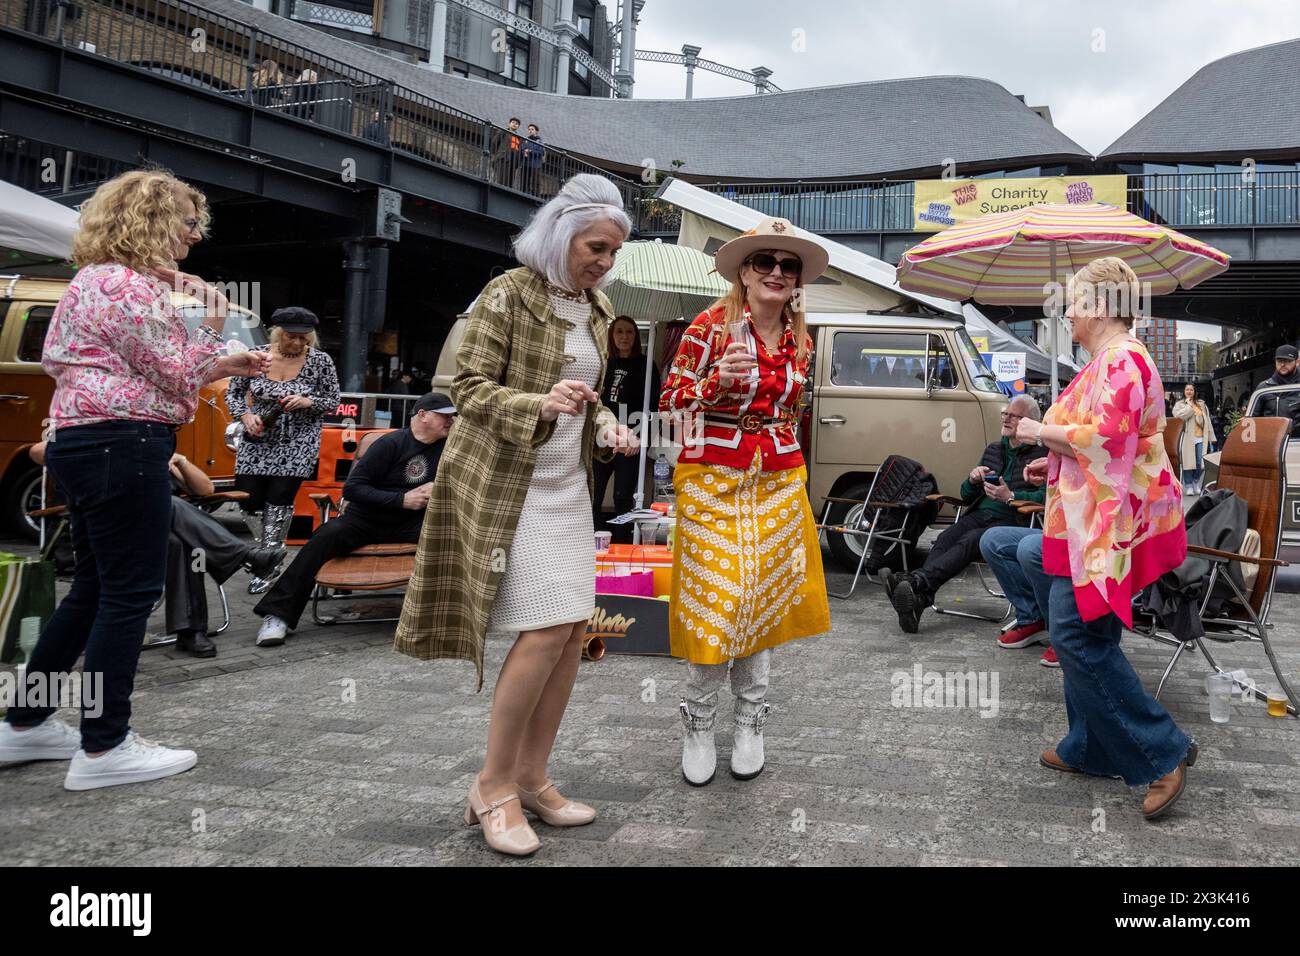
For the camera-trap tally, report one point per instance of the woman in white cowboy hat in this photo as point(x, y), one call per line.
point(747, 570)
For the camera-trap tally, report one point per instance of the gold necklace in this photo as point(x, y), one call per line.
point(555, 290)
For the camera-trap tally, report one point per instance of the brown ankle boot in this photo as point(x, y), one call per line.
point(1164, 793)
point(1049, 759)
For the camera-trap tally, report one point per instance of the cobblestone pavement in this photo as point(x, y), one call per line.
point(295, 768)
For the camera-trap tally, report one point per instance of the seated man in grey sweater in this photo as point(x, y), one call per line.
point(386, 493)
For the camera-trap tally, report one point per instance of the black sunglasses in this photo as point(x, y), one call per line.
point(763, 263)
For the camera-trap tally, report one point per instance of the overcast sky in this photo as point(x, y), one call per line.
point(1099, 65)
point(1043, 49)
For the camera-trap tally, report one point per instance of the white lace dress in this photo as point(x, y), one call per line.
point(550, 569)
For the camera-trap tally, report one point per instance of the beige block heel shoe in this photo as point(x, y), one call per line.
point(572, 814)
point(519, 840)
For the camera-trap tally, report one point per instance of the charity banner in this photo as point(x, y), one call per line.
point(940, 203)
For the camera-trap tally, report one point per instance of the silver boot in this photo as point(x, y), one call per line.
point(275, 528)
point(747, 746)
point(699, 757)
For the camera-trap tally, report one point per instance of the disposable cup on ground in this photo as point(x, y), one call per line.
point(1219, 687)
point(1276, 703)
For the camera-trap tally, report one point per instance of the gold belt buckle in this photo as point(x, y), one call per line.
point(750, 423)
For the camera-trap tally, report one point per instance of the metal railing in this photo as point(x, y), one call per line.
point(1198, 200)
point(185, 42)
point(51, 170)
point(1179, 200)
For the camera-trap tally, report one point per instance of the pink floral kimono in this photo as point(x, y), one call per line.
point(1114, 516)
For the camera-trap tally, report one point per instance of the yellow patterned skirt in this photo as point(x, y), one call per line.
point(747, 566)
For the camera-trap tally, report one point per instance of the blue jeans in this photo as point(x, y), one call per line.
point(1192, 476)
point(1116, 727)
point(998, 546)
point(115, 479)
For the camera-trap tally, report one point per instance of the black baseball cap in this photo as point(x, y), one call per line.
point(295, 318)
point(1286, 353)
point(435, 402)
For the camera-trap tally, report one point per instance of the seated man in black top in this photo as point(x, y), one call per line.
point(997, 479)
point(386, 492)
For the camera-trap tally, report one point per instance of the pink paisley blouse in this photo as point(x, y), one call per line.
point(1114, 516)
point(118, 349)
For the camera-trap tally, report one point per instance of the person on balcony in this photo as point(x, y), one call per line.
point(534, 156)
point(268, 84)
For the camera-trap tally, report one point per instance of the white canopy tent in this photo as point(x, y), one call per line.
point(34, 224)
point(854, 282)
point(1001, 340)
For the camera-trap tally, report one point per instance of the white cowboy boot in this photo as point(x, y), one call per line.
point(699, 757)
point(747, 746)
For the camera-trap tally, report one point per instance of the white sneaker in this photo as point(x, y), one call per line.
point(134, 760)
point(51, 740)
point(272, 631)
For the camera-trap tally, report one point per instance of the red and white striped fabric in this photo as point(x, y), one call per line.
point(1004, 259)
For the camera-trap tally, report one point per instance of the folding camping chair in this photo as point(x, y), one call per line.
point(861, 521)
point(1254, 471)
point(204, 501)
point(368, 569)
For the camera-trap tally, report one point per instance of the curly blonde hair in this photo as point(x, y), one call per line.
point(132, 220)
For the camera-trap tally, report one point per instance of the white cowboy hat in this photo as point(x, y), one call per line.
point(771, 234)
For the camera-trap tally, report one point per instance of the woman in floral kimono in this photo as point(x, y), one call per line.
point(1113, 524)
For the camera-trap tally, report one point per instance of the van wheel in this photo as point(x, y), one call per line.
point(24, 496)
point(847, 548)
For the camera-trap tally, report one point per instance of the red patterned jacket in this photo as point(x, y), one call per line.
point(737, 420)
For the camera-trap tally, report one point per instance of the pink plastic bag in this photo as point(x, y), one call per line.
point(636, 584)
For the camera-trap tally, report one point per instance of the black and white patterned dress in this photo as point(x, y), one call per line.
point(290, 448)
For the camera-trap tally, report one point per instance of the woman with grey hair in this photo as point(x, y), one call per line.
point(507, 543)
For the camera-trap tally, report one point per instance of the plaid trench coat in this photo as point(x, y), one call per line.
point(511, 356)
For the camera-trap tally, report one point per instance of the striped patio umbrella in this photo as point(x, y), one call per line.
point(660, 282)
point(1010, 258)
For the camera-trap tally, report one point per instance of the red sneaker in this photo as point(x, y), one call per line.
point(1024, 635)
point(1049, 658)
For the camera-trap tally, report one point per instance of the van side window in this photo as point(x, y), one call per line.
point(941, 364)
point(32, 342)
point(880, 359)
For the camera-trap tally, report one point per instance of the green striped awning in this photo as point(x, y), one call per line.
point(658, 281)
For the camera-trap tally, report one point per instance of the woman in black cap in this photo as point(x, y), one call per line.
point(282, 415)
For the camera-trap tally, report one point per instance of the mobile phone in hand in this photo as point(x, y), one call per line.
point(992, 479)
